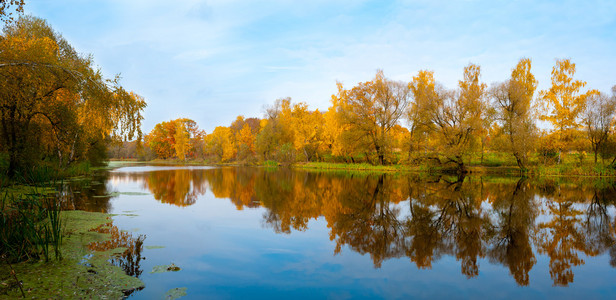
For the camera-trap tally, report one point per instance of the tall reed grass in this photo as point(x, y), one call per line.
point(30, 226)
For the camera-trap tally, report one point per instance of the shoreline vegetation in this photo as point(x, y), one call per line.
point(571, 166)
point(417, 126)
point(81, 272)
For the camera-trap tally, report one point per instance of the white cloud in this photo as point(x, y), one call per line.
point(214, 60)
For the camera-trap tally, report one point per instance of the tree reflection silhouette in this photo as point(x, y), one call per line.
point(509, 221)
point(511, 244)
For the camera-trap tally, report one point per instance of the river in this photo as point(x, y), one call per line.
point(247, 232)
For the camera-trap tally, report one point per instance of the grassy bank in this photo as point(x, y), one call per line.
point(563, 169)
point(80, 273)
point(352, 167)
point(493, 163)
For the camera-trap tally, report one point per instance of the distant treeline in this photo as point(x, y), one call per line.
point(443, 126)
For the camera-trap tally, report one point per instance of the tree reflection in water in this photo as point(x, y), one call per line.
point(508, 221)
point(130, 259)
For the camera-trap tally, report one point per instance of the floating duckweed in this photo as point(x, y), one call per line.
point(165, 268)
point(154, 247)
point(175, 293)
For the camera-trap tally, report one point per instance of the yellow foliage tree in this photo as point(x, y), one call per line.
point(451, 118)
point(423, 88)
point(563, 103)
point(48, 89)
point(370, 110)
point(182, 141)
point(513, 104)
point(220, 143)
point(247, 139)
point(307, 129)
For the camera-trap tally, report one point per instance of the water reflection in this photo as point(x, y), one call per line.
point(85, 193)
point(507, 221)
point(130, 259)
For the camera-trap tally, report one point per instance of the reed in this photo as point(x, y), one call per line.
point(30, 226)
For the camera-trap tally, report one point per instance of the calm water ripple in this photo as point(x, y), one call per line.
point(260, 233)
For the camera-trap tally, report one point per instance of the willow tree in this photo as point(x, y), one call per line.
point(513, 102)
point(54, 100)
point(450, 117)
point(370, 110)
point(563, 103)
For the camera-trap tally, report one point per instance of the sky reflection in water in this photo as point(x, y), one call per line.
point(258, 233)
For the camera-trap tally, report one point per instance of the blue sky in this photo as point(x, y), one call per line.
point(213, 60)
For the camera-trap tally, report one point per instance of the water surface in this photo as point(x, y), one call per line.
point(263, 233)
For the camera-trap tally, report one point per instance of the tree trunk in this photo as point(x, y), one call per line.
point(71, 157)
point(305, 153)
point(482, 146)
point(368, 158)
point(461, 166)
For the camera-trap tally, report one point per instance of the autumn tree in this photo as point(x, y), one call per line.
point(275, 138)
point(54, 100)
point(370, 110)
point(221, 144)
point(182, 139)
point(179, 138)
point(244, 132)
point(161, 139)
point(332, 132)
point(451, 118)
point(563, 104)
point(246, 140)
point(307, 129)
point(512, 100)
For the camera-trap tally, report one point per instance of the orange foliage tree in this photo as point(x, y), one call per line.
point(176, 138)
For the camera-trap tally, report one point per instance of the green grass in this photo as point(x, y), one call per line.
point(352, 167)
point(501, 163)
point(572, 164)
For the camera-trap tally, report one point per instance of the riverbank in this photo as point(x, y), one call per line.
point(81, 273)
point(570, 170)
point(494, 164)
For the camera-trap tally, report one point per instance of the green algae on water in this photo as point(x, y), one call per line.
point(165, 268)
point(154, 247)
point(175, 293)
point(81, 272)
